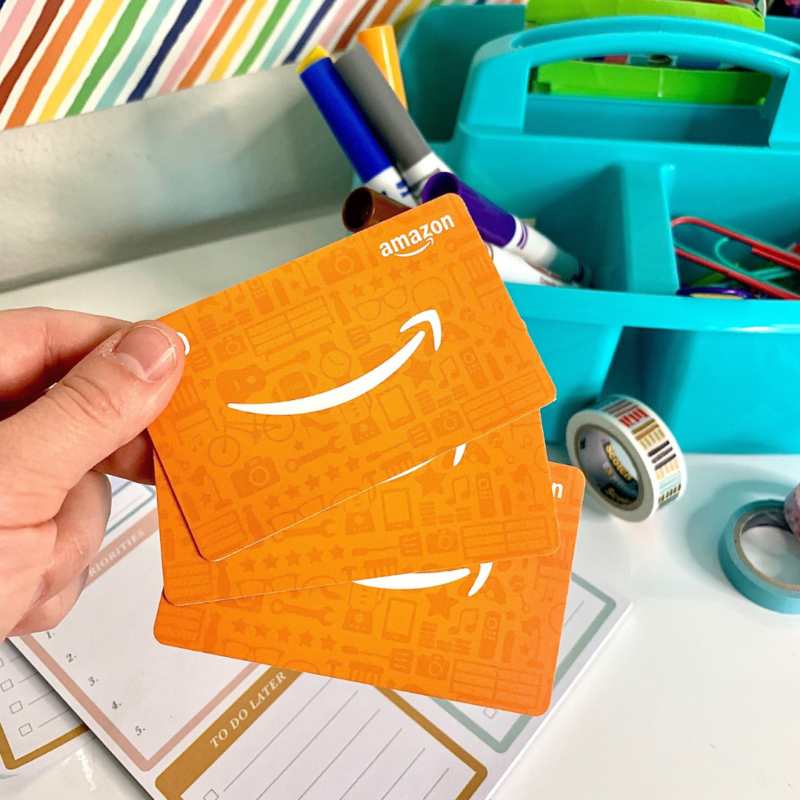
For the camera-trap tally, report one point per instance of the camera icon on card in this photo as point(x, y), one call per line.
point(256, 474)
point(447, 422)
point(441, 541)
point(432, 667)
point(342, 263)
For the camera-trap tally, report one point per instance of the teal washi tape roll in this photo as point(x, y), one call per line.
point(746, 578)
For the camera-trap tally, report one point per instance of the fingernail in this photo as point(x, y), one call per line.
point(147, 352)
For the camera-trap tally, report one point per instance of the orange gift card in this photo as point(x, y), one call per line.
point(494, 504)
point(335, 372)
point(487, 635)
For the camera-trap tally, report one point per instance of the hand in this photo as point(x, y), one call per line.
point(112, 379)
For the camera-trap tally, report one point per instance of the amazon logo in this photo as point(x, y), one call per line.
point(417, 238)
point(428, 320)
point(429, 580)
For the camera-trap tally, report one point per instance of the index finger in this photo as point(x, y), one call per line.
point(38, 346)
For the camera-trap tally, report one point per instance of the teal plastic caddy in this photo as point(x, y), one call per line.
point(604, 178)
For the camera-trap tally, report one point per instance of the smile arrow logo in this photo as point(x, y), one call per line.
point(359, 386)
point(427, 580)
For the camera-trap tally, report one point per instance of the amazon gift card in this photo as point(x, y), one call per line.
point(487, 634)
point(330, 375)
point(489, 500)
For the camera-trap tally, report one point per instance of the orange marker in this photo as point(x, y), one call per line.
point(382, 46)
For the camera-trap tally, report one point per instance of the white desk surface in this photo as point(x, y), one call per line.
point(697, 696)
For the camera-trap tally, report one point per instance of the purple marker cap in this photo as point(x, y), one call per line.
point(495, 225)
point(720, 292)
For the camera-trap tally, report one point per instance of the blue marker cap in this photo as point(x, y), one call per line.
point(345, 119)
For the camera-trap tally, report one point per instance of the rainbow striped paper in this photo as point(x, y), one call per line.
point(64, 57)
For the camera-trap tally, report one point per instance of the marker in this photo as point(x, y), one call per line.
point(381, 44)
point(398, 132)
point(315, 55)
point(352, 131)
point(506, 231)
point(513, 269)
point(715, 292)
point(364, 208)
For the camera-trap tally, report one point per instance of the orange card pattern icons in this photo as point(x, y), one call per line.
point(494, 504)
point(338, 371)
point(487, 635)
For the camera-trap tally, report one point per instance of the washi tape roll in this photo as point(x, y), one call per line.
point(631, 460)
point(746, 578)
point(791, 510)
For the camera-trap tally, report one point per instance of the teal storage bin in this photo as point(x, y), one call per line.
point(604, 178)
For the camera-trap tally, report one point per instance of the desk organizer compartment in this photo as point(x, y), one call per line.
point(724, 375)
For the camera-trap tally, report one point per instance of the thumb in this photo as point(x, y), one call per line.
point(104, 402)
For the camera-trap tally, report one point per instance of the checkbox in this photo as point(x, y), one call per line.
point(26, 729)
point(6, 685)
point(489, 712)
point(212, 795)
point(14, 707)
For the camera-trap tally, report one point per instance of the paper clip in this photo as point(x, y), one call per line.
point(783, 258)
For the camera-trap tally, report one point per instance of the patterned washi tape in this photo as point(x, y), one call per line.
point(747, 579)
point(631, 460)
point(791, 510)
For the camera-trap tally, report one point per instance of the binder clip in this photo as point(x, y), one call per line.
point(760, 280)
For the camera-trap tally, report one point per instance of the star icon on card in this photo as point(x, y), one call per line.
point(270, 562)
point(419, 371)
point(430, 480)
point(440, 603)
point(248, 565)
point(332, 473)
point(327, 643)
point(337, 552)
point(239, 626)
point(315, 555)
point(284, 634)
point(352, 464)
point(293, 558)
point(313, 482)
point(306, 639)
point(262, 631)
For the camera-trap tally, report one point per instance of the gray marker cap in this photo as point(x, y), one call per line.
point(385, 111)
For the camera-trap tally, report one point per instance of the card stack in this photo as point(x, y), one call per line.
point(352, 478)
